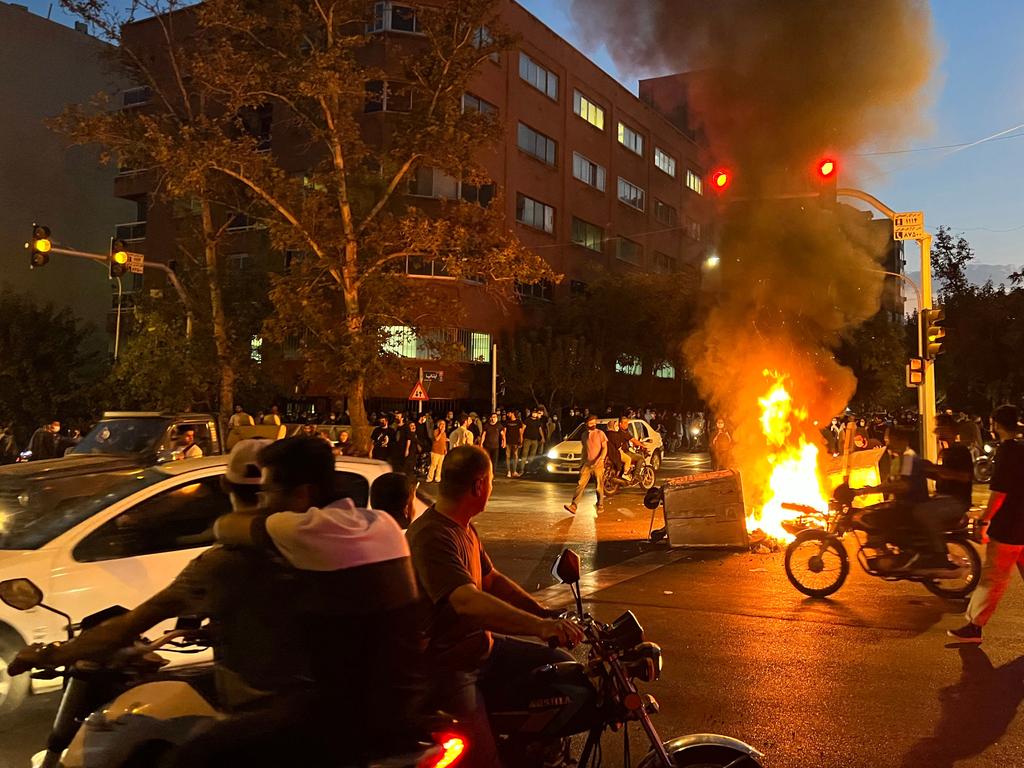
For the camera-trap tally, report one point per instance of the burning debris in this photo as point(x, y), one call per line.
point(774, 85)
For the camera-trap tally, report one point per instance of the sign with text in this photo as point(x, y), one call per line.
point(135, 261)
point(433, 375)
point(908, 226)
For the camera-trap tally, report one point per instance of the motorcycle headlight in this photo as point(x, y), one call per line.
point(552, 454)
point(987, 448)
point(643, 662)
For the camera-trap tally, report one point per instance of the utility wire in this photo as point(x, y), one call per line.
point(961, 145)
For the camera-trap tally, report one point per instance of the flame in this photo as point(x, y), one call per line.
point(793, 462)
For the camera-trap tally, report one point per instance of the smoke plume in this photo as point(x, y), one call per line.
point(773, 86)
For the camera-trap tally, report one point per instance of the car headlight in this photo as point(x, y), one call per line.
point(552, 454)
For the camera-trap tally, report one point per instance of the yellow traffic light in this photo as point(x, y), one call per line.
point(120, 257)
point(117, 261)
point(40, 247)
point(933, 335)
point(915, 372)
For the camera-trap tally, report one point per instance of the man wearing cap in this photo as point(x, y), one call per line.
point(1005, 517)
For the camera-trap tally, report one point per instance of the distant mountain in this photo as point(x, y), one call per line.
point(979, 274)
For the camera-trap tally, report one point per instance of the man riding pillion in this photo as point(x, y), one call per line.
point(953, 476)
point(619, 442)
point(474, 610)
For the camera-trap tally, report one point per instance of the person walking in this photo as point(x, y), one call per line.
point(1005, 533)
point(438, 449)
point(534, 436)
point(513, 443)
point(595, 449)
point(721, 447)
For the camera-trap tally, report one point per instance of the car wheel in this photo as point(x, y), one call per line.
point(13, 690)
point(656, 460)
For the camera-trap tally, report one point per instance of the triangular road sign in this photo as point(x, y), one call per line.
point(418, 392)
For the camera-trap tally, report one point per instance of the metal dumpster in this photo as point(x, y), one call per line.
point(705, 510)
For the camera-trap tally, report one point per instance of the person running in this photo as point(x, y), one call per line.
point(1005, 518)
point(595, 449)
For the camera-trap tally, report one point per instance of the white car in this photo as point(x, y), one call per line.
point(566, 457)
point(91, 536)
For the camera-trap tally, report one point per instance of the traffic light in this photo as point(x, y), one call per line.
point(827, 172)
point(915, 372)
point(933, 335)
point(721, 178)
point(39, 248)
point(117, 261)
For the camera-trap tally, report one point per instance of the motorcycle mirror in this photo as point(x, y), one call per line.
point(567, 567)
point(653, 498)
point(21, 594)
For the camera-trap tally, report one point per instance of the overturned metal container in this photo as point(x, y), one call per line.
point(705, 510)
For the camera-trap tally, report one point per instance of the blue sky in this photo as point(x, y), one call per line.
point(979, 87)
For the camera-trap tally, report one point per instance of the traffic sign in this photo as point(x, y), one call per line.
point(135, 262)
point(433, 375)
point(418, 392)
point(908, 226)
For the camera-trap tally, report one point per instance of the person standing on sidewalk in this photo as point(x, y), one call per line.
point(513, 443)
point(438, 449)
point(493, 439)
point(534, 436)
point(595, 448)
point(1005, 533)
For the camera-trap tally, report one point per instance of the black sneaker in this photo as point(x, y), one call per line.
point(969, 633)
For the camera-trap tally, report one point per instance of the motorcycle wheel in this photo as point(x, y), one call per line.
point(710, 756)
point(656, 460)
point(13, 690)
point(966, 556)
point(816, 563)
point(983, 470)
point(611, 483)
point(647, 478)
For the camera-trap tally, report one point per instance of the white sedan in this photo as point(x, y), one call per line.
point(565, 458)
point(91, 535)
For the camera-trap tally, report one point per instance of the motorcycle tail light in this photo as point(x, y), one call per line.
point(453, 748)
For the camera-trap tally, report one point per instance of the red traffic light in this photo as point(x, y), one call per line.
point(720, 179)
point(827, 168)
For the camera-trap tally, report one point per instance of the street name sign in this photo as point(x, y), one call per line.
point(433, 375)
point(908, 226)
point(135, 261)
point(418, 392)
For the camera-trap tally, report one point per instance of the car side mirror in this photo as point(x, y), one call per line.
point(567, 567)
point(21, 594)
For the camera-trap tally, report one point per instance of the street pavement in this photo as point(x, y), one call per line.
point(864, 679)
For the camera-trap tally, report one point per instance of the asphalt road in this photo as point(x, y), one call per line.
point(863, 679)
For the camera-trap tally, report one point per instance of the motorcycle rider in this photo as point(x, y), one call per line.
point(619, 442)
point(953, 475)
point(473, 608)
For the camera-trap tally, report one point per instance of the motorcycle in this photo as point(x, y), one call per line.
point(127, 713)
point(641, 473)
point(984, 461)
point(817, 563)
point(568, 698)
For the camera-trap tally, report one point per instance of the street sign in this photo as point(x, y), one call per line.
point(908, 226)
point(433, 375)
point(135, 261)
point(418, 392)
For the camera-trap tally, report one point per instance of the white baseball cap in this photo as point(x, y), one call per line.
point(243, 469)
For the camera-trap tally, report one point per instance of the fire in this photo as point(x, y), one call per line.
point(793, 462)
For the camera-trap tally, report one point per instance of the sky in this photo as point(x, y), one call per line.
point(978, 89)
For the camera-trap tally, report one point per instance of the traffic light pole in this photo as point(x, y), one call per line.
point(926, 392)
point(172, 278)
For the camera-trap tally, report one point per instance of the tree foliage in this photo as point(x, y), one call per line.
point(877, 352)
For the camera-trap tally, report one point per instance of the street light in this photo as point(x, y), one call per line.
point(712, 261)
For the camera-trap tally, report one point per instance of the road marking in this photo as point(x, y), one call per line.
point(603, 578)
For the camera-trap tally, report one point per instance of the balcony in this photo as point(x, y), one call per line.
point(133, 182)
point(131, 232)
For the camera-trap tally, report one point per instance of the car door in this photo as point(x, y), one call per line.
point(643, 434)
point(140, 549)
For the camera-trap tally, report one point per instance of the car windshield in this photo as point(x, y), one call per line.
point(577, 434)
point(35, 511)
point(122, 437)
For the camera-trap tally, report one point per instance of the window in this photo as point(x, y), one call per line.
point(400, 341)
point(473, 103)
point(239, 261)
point(352, 485)
point(631, 194)
point(181, 518)
point(588, 110)
point(691, 228)
point(665, 213)
point(629, 251)
point(257, 123)
point(628, 365)
point(665, 371)
point(537, 145)
point(630, 139)
point(588, 235)
point(479, 347)
point(534, 213)
point(388, 96)
point(577, 287)
point(481, 195)
point(695, 181)
point(136, 97)
point(388, 16)
point(292, 257)
point(466, 346)
point(431, 182)
point(587, 171)
point(421, 267)
point(541, 290)
point(242, 221)
point(483, 38)
point(664, 263)
point(665, 162)
point(542, 79)
point(256, 349)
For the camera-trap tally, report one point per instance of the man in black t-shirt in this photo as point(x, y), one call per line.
point(493, 439)
point(473, 608)
point(1005, 534)
point(534, 436)
point(952, 475)
point(382, 440)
